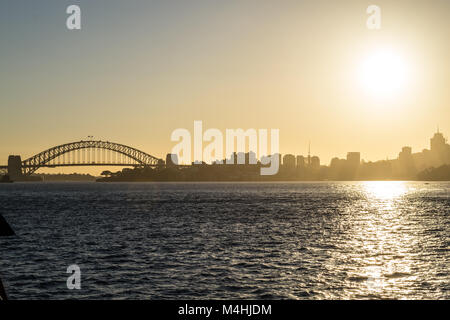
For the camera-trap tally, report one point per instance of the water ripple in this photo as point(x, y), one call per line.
point(362, 240)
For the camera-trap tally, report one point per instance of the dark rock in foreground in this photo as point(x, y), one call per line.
point(5, 229)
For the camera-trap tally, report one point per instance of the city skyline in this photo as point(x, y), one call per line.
point(429, 164)
point(407, 165)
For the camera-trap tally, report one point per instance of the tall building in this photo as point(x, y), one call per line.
point(279, 158)
point(353, 159)
point(440, 150)
point(438, 155)
point(405, 154)
point(171, 159)
point(289, 161)
point(437, 143)
point(252, 158)
point(405, 166)
point(315, 162)
point(232, 159)
point(300, 161)
point(241, 158)
point(337, 163)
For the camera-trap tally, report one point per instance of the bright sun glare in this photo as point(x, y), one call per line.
point(383, 73)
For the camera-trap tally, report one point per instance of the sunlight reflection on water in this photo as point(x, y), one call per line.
point(384, 235)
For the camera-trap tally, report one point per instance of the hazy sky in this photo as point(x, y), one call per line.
point(137, 70)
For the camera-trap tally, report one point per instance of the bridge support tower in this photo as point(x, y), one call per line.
point(15, 167)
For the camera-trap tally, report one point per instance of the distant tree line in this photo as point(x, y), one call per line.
point(441, 173)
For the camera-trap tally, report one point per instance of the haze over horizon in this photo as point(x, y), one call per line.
point(136, 71)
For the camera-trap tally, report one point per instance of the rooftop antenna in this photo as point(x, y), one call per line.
point(309, 152)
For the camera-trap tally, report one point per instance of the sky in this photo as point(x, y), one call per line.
point(138, 70)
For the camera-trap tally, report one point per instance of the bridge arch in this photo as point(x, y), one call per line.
point(44, 158)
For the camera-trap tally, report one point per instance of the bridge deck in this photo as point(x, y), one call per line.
point(90, 164)
point(86, 165)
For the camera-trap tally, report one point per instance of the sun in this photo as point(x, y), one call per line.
point(383, 73)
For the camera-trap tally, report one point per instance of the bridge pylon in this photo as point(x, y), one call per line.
point(15, 167)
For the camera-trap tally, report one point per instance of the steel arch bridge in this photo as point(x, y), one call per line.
point(89, 153)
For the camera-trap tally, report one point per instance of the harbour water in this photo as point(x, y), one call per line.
point(324, 240)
